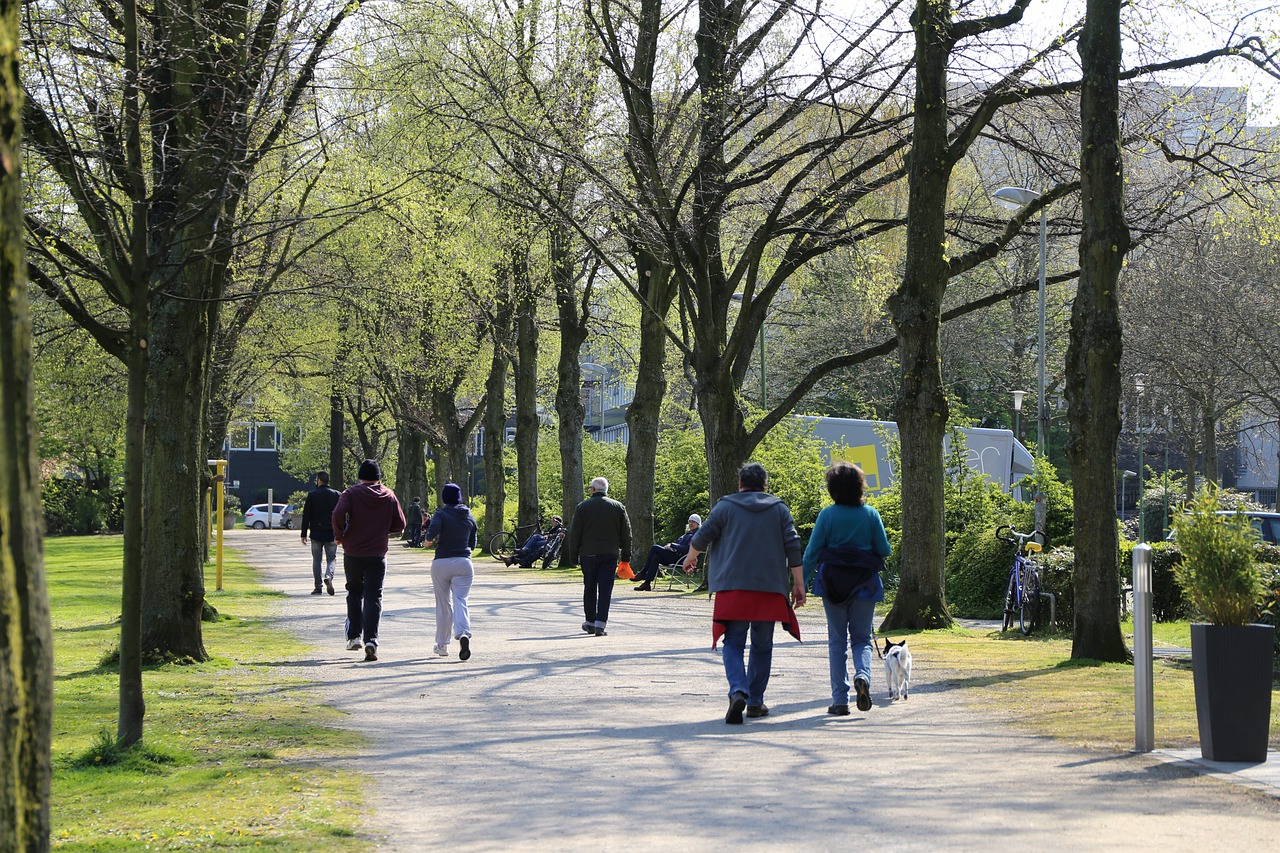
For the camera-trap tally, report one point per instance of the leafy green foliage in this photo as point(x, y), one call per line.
point(976, 573)
point(1217, 571)
point(71, 506)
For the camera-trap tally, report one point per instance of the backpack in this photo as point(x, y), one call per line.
point(846, 572)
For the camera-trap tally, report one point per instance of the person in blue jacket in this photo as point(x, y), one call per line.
point(453, 533)
point(848, 531)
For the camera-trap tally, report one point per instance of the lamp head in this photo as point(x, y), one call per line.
point(1017, 400)
point(1012, 198)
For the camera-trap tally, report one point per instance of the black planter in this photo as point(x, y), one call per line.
point(1232, 666)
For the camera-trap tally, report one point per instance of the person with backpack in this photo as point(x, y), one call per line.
point(843, 561)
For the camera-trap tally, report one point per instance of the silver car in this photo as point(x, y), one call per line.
point(258, 517)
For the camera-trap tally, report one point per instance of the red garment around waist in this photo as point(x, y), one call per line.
point(749, 605)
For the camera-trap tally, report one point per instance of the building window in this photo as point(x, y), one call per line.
point(266, 437)
point(238, 437)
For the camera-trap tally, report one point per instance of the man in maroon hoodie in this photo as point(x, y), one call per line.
point(365, 517)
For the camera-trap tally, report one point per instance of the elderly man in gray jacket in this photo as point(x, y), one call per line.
point(756, 561)
point(599, 534)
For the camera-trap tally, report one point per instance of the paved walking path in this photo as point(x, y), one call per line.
point(548, 739)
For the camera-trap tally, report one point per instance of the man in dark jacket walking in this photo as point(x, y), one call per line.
point(363, 521)
point(317, 517)
point(599, 534)
point(413, 523)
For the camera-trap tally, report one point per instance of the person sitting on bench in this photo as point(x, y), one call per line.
point(667, 555)
point(535, 546)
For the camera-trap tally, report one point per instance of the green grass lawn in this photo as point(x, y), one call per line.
point(1032, 683)
point(228, 759)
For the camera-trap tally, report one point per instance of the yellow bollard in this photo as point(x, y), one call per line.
point(220, 476)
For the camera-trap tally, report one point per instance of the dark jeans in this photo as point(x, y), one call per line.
point(658, 556)
point(415, 535)
point(598, 574)
point(364, 595)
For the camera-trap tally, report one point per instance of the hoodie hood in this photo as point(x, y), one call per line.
point(753, 501)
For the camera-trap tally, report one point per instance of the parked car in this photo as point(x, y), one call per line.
point(281, 515)
point(1266, 523)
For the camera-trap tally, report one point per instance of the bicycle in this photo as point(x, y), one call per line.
point(554, 541)
point(507, 542)
point(1022, 593)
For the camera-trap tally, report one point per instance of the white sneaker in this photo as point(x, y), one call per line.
point(354, 645)
point(442, 651)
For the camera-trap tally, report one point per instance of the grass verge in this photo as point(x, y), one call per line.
point(229, 755)
point(1033, 684)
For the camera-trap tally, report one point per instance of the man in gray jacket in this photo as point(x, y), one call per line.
point(756, 561)
point(599, 534)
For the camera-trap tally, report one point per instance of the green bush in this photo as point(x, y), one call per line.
point(680, 482)
point(1057, 576)
point(70, 507)
point(977, 571)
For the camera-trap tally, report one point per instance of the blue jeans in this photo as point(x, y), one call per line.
point(753, 678)
point(659, 555)
point(364, 595)
point(598, 574)
point(848, 623)
point(330, 552)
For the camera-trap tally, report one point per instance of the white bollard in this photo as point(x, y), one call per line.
point(1144, 719)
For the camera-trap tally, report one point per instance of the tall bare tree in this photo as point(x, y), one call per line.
point(26, 641)
point(152, 151)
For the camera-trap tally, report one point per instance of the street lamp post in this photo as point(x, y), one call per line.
point(1164, 519)
point(1124, 478)
point(1017, 412)
point(1140, 382)
point(601, 372)
point(1014, 198)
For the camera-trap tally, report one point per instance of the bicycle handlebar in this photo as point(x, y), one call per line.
point(1018, 539)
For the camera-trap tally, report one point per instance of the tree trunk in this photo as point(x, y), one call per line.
point(337, 421)
point(173, 576)
point(26, 644)
point(133, 707)
point(916, 308)
point(495, 426)
point(1209, 441)
point(570, 411)
point(725, 438)
point(1093, 354)
point(526, 394)
point(645, 411)
point(411, 464)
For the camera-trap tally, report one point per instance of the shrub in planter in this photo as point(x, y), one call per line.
point(1231, 659)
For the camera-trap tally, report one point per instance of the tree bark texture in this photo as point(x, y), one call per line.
point(645, 412)
point(528, 428)
point(173, 571)
point(26, 643)
point(411, 464)
point(495, 425)
point(570, 410)
point(916, 308)
point(1093, 354)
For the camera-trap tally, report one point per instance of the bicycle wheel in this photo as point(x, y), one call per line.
point(1029, 613)
point(553, 551)
point(1010, 602)
point(503, 544)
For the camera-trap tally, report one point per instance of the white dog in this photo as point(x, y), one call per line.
point(897, 668)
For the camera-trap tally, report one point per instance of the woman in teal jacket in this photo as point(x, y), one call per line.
point(848, 523)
